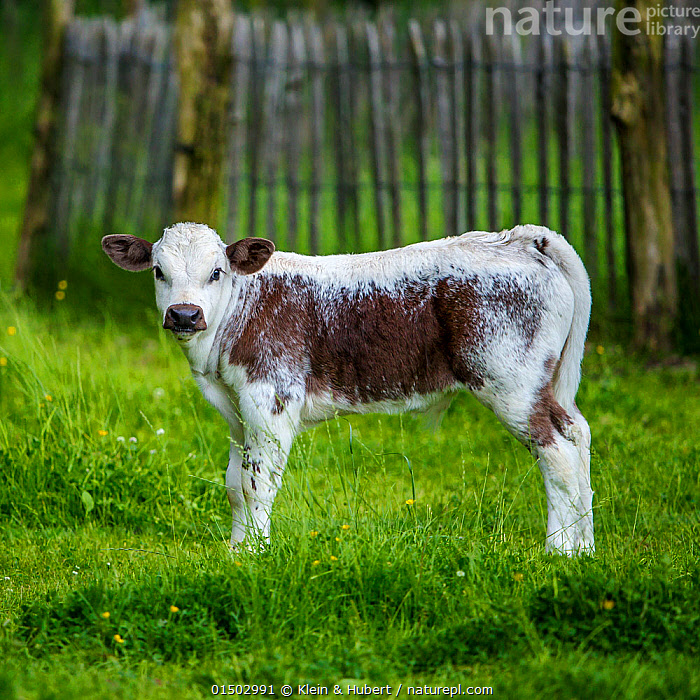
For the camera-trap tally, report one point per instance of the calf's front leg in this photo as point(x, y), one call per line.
point(268, 439)
point(240, 512)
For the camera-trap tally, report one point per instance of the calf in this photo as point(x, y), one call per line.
point(278, 342)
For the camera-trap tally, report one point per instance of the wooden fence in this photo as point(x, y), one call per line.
point(356, 135)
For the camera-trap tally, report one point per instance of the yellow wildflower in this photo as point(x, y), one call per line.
point(62, 284)
point(60, 295)
point(105, 614)
point(410, 501)
point(174, 609)
point(334, 558)
point(608, 604)
point(346, 527)
point(48, 397)
point(237, 563)
point(3, 362)
point(600, 349)
point(118, 639)
point(337, 539)
point(315, 562)
point(518, 577)
point(11, 330)
point(102, 433)
point(313, 533)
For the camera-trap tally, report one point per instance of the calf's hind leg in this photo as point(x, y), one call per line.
point(561, 443)
point(566, 511)
point(582, 438)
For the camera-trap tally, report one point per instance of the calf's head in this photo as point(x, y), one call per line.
point(193, 269)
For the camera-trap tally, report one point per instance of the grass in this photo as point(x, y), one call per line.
point(453, 588)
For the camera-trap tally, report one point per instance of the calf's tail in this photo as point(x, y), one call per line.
point(567, 374)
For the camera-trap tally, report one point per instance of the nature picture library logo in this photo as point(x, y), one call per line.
point(677, 19)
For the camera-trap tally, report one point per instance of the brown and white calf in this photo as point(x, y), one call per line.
point(278, 342)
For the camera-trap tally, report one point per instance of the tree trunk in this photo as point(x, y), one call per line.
point(35, 225)
point(638, 93)
point(203, 46)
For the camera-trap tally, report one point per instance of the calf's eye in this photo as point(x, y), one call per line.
point(158, 272)
point(215, 275)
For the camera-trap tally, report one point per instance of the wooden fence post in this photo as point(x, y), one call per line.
point(472, 52)
point(340, 93)
point(393, 123)
point(687, 253)
point(203, 48)
point(515, 125)
point(444, 103)
point(588, 153)
point(377, 130)
point(36, 211)
point(638, 110)
point(256, 99)
point(542, 85)
point(295, 115)
point(563, 128)
point(241, 50)
point(316, 70)
point(491, 105)
point(275, 76)
point(605, 131)
point(422, 92)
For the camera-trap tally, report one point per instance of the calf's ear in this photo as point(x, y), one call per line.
point(249, 254)
point(129, 252)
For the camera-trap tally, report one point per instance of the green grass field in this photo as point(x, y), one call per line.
point(107, 522)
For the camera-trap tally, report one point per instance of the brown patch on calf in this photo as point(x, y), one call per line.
point(547, 416)
point(541, 244)
point(473, 313)
point(380, 346)
point(517, 305)
point(278, 316)
point(463, 326)
point(367, 345)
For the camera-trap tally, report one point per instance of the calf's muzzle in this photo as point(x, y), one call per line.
point(184, 318)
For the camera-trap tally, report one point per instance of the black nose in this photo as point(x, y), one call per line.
point(184, 317)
